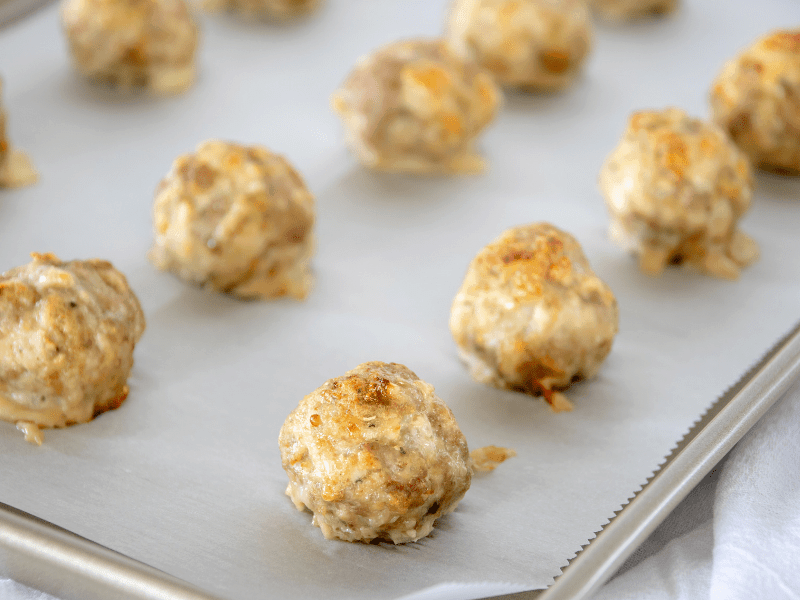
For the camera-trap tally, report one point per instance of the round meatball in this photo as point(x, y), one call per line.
point(237, 219)
point(67, 332)
point(133, 43)
point(756, 99)
point(275, 9)
point(628, 10)
point(675, 188)
point(375, 454)
point(15, 167)
point(532, 316)
point(529, 44)
point(415, 106)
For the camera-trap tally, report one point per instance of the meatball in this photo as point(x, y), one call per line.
point(67, 332)
point(756, 98)
point(415, 106)
point(675, 188)
point(529, 44)
point(532, 316)
point(375, 454)
point(276, 9)
point(133, 43)
point(15, 167)
point(237, 219)
point(628, 10)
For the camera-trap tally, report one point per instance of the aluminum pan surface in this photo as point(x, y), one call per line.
point(186, 476)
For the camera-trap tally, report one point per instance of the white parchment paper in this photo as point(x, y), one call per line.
point(186, 475)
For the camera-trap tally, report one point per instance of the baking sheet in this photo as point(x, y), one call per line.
point(186, 475)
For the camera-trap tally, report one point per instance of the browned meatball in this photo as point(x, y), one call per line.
point(756, 98)
point(131, 43)
point(531, 314)
point(415, 106)
point(529, 44)
point(676, 188)
point(235, 218)
point(375, 454)
point(67, 333)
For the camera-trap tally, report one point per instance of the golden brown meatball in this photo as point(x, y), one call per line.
point(530, 44)
point(277, 9)
point(756, 99)
point(237, 219)
point(67, 332)
point(132, 43)
point(628, 10)
point(15, 166)
point(415, 106)
point(375, 454)
point(676, 187)
point(531, 314)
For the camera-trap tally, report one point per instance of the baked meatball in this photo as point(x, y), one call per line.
point(675, 188)
point(375, 454)
point(67, 332)
point(531, 314)
point(133, 43)
point(273, 9)
point(415, 106)
point(756, 99)
point(529, 44)
point(628, 10)
point(237, 219)
point(15, 167)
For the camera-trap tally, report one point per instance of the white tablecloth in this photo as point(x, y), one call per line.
point(735, 537)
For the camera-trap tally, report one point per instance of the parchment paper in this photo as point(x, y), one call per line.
point(186, 475)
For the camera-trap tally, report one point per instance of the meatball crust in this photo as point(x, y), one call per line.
point(133, 43)
point(271, 9)
point(15, 167)
point(237, 219)
point(67, 333)
point(375, 454)
point(756, 98)
point(415, 106)
point(629, 10)
point(531, 314)
point(676, 187)
point(528, 44)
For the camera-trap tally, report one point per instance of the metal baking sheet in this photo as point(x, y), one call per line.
point(186, 476)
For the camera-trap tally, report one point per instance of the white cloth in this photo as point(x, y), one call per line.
point(735, 537)
point(743, 538)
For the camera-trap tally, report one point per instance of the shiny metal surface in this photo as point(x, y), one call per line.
point(50, 559)
point(701, 449)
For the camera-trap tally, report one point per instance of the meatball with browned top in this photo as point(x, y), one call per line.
point(375, 454)
point(531, 314)
point(676, 188)
point(756, 99)
point(67, 333)
point(133, 43)
point(527, 44)
point(415, 106)
point(237, 219)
